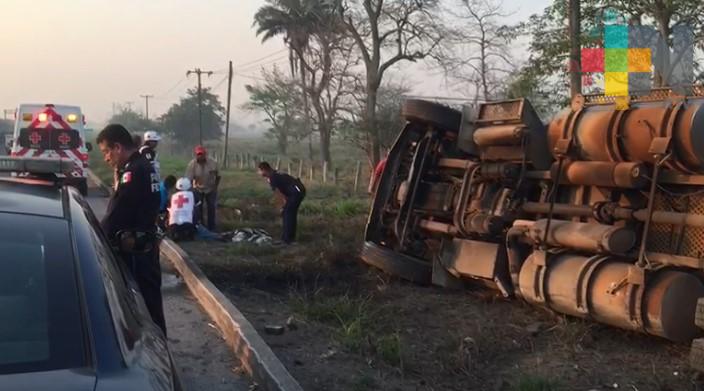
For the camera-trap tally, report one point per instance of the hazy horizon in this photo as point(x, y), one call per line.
point(96, 53)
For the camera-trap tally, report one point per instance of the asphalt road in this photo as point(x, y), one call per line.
point(203, 359)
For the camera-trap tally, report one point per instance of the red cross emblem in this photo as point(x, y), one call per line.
point(180, 201)
point(35, 138)
point(64, 138)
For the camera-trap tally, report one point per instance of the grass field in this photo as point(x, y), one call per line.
point(359, 330)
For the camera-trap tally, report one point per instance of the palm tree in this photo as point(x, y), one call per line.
point(296, 21)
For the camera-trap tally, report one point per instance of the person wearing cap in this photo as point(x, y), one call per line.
point(148, 150)
point(203, 172)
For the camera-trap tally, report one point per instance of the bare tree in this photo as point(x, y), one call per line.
point(280, 99)
point(389, 120)
point(387, 32)
point(329, 66)
point(478, 52)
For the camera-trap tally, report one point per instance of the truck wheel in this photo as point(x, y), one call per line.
point(433, 114)
point(395, 264)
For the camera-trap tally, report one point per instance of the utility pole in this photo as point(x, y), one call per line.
point(5, 112)
point(199, 72)
point(129, 105)
point(146, 104)
point(575, 48)
point(227, 116)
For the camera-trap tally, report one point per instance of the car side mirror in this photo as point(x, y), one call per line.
point(89, 147)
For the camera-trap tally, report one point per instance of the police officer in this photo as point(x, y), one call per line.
point(292, 191)
point(130, 221)
point(148, 150)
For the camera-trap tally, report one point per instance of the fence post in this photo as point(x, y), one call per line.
point(278, 163)
point(357, 171)
point(312, 171)
point(288, 168)
point(325, 172)
point(335, 174)
point(300, 168)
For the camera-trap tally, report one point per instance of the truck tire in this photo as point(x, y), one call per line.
point(398, 265)
point(433, 114)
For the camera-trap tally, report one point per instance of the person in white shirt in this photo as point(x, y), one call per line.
point(180, 209)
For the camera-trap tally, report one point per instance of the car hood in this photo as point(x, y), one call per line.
point(61, 380)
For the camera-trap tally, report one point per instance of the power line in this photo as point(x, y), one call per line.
point(250, 77)
point(218, 84)
point(261, 59)
point(447, 98)
point(170, 90)
point(273, 61)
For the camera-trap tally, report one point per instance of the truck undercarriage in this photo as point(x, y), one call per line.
point(599, 214)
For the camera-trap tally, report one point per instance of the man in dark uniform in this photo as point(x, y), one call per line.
point(130, 221)
point(292, 191)
point(148, 150)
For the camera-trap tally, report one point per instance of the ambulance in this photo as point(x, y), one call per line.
point(53, 131)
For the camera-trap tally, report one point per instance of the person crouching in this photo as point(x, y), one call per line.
point(181, 208)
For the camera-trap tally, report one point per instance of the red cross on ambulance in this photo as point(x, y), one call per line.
point(35, 138)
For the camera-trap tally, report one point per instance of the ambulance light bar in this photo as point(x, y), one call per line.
point(36, 165)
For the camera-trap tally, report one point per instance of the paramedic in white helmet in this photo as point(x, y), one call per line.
point(148, 150)
point(181, 212)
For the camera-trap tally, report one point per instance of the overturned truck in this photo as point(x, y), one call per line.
point(599, 214)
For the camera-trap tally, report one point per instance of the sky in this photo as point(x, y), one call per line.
point(97, 53)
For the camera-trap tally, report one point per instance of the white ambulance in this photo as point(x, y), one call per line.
point(53, 131)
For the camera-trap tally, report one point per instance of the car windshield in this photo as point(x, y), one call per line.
point(40, 315)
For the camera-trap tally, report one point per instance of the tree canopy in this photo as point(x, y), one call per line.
point(182, 123)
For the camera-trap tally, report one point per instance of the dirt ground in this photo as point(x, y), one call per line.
point(356, 329)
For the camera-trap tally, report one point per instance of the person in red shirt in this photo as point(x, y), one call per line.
point(376, 175)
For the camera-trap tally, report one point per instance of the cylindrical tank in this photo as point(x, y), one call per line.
point(604, 174)
point(589, 237)
point(599, 288)
point(602, 133)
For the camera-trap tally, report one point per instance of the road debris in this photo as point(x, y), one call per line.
point(274, 329)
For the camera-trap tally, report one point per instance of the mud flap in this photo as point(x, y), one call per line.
point(477, 260)
point(442, 277)
point(396, 264)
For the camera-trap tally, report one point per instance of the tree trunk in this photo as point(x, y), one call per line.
point(575, 47)
point(310, 146)
point(306, 107)
point(283, 143)
point(372, 90)
point(663, 68)
point(325, 144)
